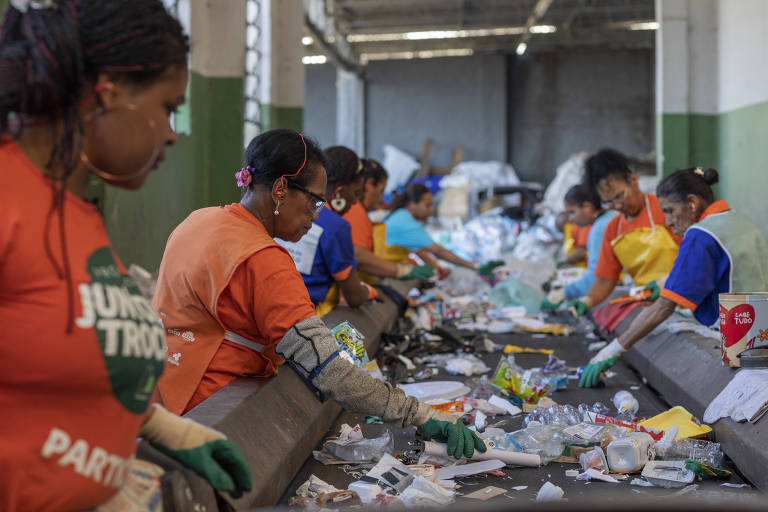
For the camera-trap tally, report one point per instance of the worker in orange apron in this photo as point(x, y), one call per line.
point(722, 252)
point(636, 241)
point(234, 304)
point(370, 239)
point(575, 239)
point(94, 83)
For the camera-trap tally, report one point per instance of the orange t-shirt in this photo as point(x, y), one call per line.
point(73, 403)
point(580, 235)
point(264, 299)
point(608, 265)
point(362, 229)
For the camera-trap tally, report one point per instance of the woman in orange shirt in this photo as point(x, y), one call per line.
point(234, 304)
point(374, 182)
point(636, 241)
point(86, 89)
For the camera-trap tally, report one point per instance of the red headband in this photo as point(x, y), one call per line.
point(282, 178)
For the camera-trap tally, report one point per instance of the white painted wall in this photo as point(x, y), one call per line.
point(742, 53)
point(218, 38)
point(687, 56)
point(282, 72)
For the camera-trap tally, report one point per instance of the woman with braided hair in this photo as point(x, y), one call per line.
point(86, 89)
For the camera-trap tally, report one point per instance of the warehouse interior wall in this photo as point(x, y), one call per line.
point(533, 111)
point(577, 99)
point(455, 101)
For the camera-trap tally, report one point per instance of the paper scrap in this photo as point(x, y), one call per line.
point(734, 486)
point(519, 487)
point(593, 474)
point(572, 472)
point(450, 472)
point(479, 421)
point(485, 493)
point(499, 402)
point(640, 482)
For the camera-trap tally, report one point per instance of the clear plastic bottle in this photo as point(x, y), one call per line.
point(543, 440)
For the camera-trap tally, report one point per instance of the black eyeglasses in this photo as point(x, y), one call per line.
point(318, 202)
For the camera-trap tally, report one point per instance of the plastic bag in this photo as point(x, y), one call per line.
point(423, 493)
point(399, 165)
point(514, 292)
point(528, 385)
point(351, 446)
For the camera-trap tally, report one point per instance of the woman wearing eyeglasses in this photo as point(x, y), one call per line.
point(636, 241)
point(722, 251)
point(233, 303)
point(332, 271)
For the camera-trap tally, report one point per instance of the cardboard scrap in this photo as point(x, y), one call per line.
point(485, 493)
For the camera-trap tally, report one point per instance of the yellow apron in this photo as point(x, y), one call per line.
point(330, 301)
point(569, 243)
point(379, 238)
point(394, 253)
point(646, 254)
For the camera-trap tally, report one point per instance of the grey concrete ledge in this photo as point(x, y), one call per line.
point(275, 422)
point(685, 368)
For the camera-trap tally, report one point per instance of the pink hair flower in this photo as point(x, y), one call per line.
point(244, 177)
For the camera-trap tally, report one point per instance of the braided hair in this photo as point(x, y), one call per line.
point(51, 51)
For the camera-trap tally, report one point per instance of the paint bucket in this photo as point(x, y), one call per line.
point(743, 324)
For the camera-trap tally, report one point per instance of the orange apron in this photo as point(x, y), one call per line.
point(201, 255)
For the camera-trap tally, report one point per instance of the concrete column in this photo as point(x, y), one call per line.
point(686, 84)
point(282, 72)
point(350, 111)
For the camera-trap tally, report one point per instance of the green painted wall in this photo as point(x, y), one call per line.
point(198, 171)
point(687, 140)
point(735, 143)
point(273, 117)
point(743, 166)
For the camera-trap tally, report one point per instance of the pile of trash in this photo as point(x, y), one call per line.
point(602, 443)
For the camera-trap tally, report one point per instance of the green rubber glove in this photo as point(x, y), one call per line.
point(204, 450)
point(655, 290)
point(422, 272)
point(591, 375)
point(460, 440)
point(546, 305)
point(486, 269)
point(578, 308)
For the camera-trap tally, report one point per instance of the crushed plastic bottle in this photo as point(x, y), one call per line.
point(626, 404)
point(699, 450)
point(544, 440)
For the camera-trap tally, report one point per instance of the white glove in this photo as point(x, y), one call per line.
point(556, 296)
point(613, 349)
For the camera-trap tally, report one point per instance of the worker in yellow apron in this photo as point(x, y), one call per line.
point(370, 239)
point(722, 252)
point(636, 241)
